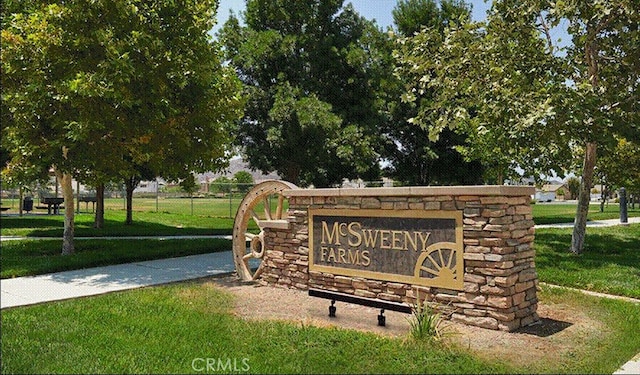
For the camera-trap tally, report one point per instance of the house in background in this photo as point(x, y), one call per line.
point(552, 192)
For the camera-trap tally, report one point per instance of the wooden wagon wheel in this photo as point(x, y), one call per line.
point(246, 212)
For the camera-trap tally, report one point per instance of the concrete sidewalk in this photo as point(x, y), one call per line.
point(30, 290)
point(631, 367)
point(593, 223)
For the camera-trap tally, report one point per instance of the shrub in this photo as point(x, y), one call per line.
point(426, 322)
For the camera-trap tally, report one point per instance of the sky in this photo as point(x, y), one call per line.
point(380, 10)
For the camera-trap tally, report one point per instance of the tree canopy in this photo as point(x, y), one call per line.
point(99, 88)
point(524, 99)
point(413, 158)
point(311, 71)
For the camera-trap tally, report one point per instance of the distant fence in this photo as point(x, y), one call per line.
point(212, 200)
point(221, 202)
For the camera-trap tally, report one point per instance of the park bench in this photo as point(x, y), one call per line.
point(364, 301)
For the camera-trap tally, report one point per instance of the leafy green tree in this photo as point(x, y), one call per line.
point(98, 88)
point(411, 16)
point(221, 184)
point(311, 72)
point(620, 167)
point(413, 158)
point(243, 180)
point(574, 186)
point(189, 185)
point(511, 87)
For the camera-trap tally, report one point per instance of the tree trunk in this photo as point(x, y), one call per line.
point(130, 184)
point(69, 212)
point(580, 224)
point(292, 173)
point(98, 221)
point(21, 203)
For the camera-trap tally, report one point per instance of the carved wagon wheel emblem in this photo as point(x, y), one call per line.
point(246, 212)
point(438, 261)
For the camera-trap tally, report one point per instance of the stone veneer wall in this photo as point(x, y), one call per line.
point(500, 278)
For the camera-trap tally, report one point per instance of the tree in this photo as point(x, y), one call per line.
point(410, 16)
point(190, 186)
point(507, 83)
point(243, 180)
point(620, 166)
point(222, 185)
point(413, 158)
point(311, 72)
point(574, 187)
point(131, 181)
point(97, 88)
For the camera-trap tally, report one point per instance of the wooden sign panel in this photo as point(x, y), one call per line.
point(406, 246)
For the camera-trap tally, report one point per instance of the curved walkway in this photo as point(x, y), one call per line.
point(28, 290)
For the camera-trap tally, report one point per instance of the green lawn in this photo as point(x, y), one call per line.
point(610, 262)
point(174, 328)
point(210, 216)
point(164, 329)
point(145, 224)
point(201, 207)
point(553, 213)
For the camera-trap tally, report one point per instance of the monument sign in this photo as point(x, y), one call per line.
point(413, 247)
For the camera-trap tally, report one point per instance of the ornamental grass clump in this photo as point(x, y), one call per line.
point(426, 323)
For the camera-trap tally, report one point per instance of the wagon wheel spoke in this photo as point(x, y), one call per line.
point(279, 207)
point(267, 208)
point(255, 218)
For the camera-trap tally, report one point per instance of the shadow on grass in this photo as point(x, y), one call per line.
point(53, 226)
point(599, 250)
point(610, 262)
point(30, 221)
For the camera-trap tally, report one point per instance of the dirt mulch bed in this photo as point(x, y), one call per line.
point(556, 336)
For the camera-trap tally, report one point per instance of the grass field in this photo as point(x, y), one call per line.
point(144, 224)
point(609, 264)
point(213, 207)
point(164, 329)
point(553, 213)
point(168, 329)
point(543, 213)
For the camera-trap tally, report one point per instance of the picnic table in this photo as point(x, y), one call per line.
point(86, 201)
point(53, 204)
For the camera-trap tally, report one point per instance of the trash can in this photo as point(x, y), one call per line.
point(27, 204)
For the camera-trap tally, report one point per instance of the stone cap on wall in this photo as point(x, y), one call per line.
point(492, 190)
